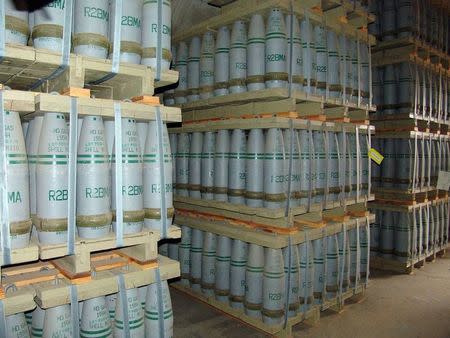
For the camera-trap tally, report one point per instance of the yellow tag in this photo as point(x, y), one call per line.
point(376, 156)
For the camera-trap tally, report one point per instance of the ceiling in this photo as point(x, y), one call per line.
point(186, 13)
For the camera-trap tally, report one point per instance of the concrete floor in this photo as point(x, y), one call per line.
point(396, 306)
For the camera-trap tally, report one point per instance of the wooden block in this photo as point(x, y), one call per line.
point(145, 99)
point(75, 91)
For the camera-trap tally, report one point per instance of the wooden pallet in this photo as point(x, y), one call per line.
point(337, 304)
point(29, 104)
point(272, 101)
point(312, 226)
point(141, 247)
point(243, 9)
point(24, 66)
point(271, 218)
point(283, 121)
point(408, 49)
point(44, 284)
point(404, 267)
point(399, 196)
point(311, 317)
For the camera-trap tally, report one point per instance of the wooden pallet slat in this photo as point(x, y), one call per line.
point(271, 101)
point(49, 288)
point(24, 66)
point(270, 237)
point(142, 247)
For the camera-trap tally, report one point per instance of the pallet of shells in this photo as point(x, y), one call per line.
point(317, 270)
point(37, 173)
point(38, 299)
point(411, 165)
point(410, 95)
point(38, 67)
point(399, 21)
point(404, 237)
point(322, 58)
point(244, 168)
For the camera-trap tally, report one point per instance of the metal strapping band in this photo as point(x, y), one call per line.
point(416, 149)
point(2, 36)
point(416, 87)
point(369, 163)
point(308, 54)
point(311, 161)
point(162, 172)
point(291, 51)
point(72, 193)
point(115, 63)
point(6, 236)
point(325, 262)
point(161, 324)
point(3, 332)
point(368, 250)
point(305, 291)
point(288, 287)
point(358, 255)
point(343, 175)
point(74, 311)
point(119, 173)
point(358, 164)
point(124, 301)
point(326, 135)
point(66, 45)
point(159, 50)
point(420, 232)
point(344, 251)
point(290, 167)
point(370, 73)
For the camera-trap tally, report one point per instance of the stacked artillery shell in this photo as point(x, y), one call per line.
point(321, 59)
point(274, 170)
point(17, 176)
point(152, 179)
point(237, 173)
point(255, 53)
point(153, 311)
point(153, 25)
point(193, 70)
point(221, 157)
point(48, 26)
point(16, 24)
point(309, 56)
point(333, 69)
point(253, 167)
point(408, 235)
point(182, 164)
point(182, 69)
point(264, 282)
point(132, 186)
point(207, 66)
point(209, 263)
point(93, 180)
point(222, 269)
point(238, 58)
point(91, 27)
point(184, 254)
point(222, 62)
point(195, 161)
point(276, 49)
point(207, 165)
point(294, 52)
point(51, 175)
point(131, 31)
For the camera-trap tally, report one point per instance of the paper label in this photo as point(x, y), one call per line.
point(443, 182)
point(376, 156)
